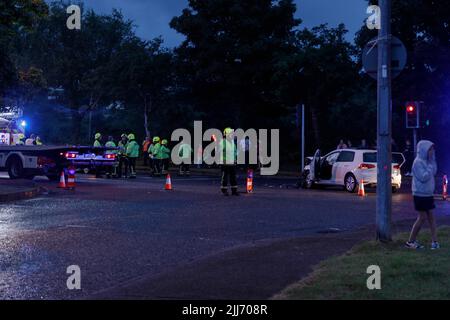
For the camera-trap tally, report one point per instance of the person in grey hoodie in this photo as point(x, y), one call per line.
point(423, 171)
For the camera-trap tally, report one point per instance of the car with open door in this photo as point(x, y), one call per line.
point(347, 168)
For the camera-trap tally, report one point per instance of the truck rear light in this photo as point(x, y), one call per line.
point(110, 156)
point(70, 155)
point(366, 166)
point(396, 167)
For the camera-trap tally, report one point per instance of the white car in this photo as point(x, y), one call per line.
point(347, 167)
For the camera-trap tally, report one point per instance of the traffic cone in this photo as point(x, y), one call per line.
point(71, 179)
point(361, 191)
point(444, 187)
point(168, 182)
point(249, 181)
point(62, 181)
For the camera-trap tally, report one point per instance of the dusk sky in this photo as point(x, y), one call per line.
point(152, 16)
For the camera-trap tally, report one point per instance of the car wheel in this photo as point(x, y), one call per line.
point(350, 183)
point(394, 189)
point(303, 180)
point(15, 168)
point(307, 183)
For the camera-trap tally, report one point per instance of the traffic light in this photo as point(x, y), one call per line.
point(413, 115)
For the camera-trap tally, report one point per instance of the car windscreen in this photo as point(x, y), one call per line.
point(371, 157)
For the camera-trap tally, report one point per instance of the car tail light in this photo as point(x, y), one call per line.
point(366, 166)
point(396, 167)
point(110, 156)
point(70, 155)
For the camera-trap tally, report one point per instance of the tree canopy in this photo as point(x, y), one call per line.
point(242, 64)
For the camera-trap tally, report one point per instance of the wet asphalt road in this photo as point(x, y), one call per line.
point(119, 230)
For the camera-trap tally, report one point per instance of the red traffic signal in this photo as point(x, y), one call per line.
point(412, 115)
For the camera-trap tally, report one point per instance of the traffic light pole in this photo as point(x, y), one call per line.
point(415, 141)
point(384, 126)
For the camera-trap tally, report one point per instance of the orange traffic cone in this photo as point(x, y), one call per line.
point(62, 181)
point(71, 179)
point(250, 181)
point(361, 191)
point(168, 182)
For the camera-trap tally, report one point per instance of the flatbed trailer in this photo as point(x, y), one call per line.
point(26, 162)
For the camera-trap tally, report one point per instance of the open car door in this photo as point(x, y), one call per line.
point(314, 167)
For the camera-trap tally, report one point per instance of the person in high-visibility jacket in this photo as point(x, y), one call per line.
point(98, 144)
point(165, 156)
point(154, 152)
point(145, 153)
point(132, 154)
point(98, 139)
point(123, 160)
point(228, 157)
point(111, 171)
point(185, 154)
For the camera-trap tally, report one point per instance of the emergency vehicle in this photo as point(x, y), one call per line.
point(24, 161)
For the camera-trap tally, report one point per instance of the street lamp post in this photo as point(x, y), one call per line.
point(384, 126)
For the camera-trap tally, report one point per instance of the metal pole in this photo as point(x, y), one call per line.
point(303, 137)
point(415, 141)
point(384, 124)
point(90, 126)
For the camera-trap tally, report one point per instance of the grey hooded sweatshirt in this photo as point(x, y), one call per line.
point(423, 171)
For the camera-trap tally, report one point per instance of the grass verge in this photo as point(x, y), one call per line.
point(405, 273)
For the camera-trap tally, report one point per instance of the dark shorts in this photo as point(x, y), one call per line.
point(424, 203)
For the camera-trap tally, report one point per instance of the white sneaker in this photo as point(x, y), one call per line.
point(435, 246)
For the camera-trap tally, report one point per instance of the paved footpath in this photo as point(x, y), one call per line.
point(254, 272)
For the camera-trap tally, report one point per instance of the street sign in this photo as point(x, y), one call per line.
point(370, 57)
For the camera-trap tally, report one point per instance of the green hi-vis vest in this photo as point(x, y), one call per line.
point(122, 147)
point(97, 143)
point(110, 144)
point(164, 152)
point(228, 154)
point(132, 149)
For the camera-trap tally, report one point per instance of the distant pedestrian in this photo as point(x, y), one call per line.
point(145, 146)
point(185, 153)
point(165, 156)
point(363, 144)
point(38, 141)
point(341, 145)
point(349, 144)
point(98, 140)
point(132, 154)
point(110, 171)
point(424, 169)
